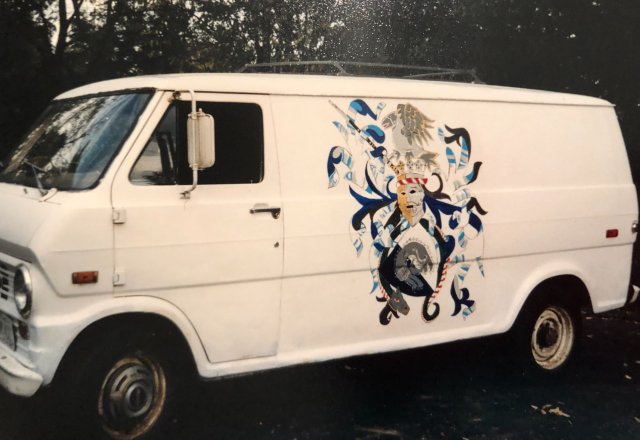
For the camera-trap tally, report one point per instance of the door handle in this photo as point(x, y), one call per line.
point(275, 212)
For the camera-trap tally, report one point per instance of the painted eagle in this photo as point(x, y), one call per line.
point(410, 129)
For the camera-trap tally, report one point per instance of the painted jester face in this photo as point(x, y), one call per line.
point(410, 198)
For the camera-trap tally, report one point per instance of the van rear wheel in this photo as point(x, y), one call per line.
point(547, 337)
point(552, 338)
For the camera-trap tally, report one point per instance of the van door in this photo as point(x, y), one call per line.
point(215, 256)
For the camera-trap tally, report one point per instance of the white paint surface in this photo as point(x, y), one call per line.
point(555, 177)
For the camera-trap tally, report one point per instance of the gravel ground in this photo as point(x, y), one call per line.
point(463, 390)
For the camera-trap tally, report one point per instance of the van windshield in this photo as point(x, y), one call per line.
point(74, 141)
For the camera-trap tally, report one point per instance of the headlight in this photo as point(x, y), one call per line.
point(22, 290)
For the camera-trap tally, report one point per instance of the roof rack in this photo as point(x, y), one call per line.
point(324, 68)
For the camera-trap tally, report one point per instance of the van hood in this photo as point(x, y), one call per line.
point(21, 214)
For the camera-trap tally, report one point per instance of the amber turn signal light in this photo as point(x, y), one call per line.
point(84, 277)
point(612, 233)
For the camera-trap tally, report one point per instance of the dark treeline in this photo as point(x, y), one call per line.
point(576, 46)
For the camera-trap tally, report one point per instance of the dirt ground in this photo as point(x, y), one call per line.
point(464, 390)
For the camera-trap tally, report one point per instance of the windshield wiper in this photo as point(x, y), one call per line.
point(35, 169)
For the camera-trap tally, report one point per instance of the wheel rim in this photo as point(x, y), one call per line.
point(132, 397)
point(552, 337)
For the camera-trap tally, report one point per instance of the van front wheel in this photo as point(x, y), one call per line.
point(128, 384)
point(132, 396)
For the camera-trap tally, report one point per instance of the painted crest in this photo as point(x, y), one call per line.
point(423, 242)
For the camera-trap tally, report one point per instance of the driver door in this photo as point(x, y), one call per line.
point(213, 255)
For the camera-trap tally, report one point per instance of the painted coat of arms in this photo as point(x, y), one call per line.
point(423, 241)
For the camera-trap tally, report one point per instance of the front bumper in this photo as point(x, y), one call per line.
point(15, 377)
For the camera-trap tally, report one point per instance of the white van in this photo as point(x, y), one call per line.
point(331, 217)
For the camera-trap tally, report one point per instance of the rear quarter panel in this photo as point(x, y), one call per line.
point(553, 179)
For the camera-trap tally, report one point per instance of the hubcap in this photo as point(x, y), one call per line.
point(552, 337)
point(132, 397)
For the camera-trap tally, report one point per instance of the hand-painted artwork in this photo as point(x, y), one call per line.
point(423, 241)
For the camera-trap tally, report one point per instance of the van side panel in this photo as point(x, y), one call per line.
point(329, 299)
point(553, 180)
point(557, 178)
point(572, 146)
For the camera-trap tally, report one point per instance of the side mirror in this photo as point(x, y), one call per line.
point(201, 140)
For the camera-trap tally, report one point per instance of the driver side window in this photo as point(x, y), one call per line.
point(158, 162)
point(239, 139)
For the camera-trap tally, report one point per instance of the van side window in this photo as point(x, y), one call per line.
point(157, 163)
point(239, 144)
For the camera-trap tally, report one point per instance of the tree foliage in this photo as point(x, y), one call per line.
point(577, 46)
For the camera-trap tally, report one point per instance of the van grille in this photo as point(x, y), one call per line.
point(6, 280)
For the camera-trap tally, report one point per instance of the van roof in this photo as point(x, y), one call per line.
point(317, 85)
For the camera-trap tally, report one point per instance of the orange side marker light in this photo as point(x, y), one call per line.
point(84, 277)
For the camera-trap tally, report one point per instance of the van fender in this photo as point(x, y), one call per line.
point(535, 278)
point(62, 330)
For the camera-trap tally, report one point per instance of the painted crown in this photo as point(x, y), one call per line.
point(416, 167)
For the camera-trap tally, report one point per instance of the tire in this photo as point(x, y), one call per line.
point(129, 387)
point(547, 337)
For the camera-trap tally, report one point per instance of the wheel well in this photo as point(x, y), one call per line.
point(568, 287)
point(108, 329)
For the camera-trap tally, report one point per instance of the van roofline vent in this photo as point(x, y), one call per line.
point(353, 68)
